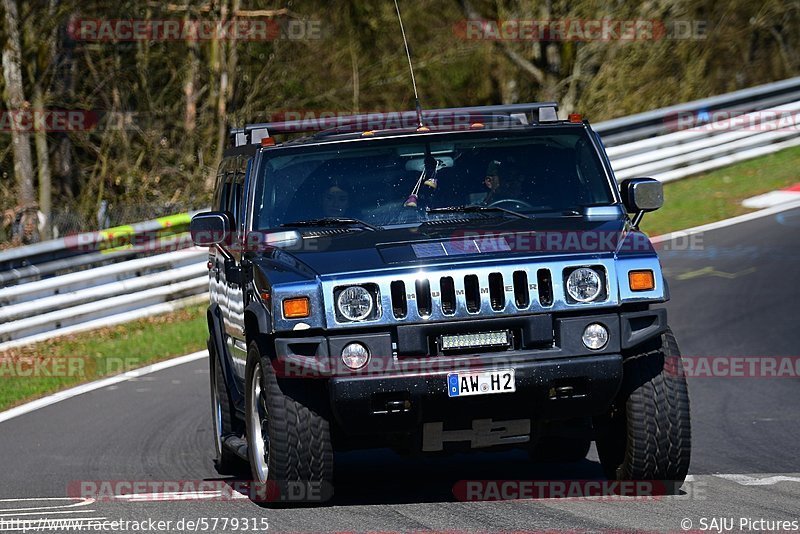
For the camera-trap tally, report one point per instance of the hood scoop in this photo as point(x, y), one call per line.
point(326, 232)
point(399, 253)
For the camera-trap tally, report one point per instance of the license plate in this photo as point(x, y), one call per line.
point(481, 383)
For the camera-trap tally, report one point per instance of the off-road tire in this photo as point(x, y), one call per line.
point(299, 450)
point(647, 435)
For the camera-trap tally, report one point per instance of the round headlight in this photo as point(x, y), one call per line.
point(584, 284)
point(355, 355)
point(595, 336)
point(355, 303)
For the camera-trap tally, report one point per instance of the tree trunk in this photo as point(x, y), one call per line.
point(43, 166)
point(15, 102)
point(64, 91)
point(189, 86)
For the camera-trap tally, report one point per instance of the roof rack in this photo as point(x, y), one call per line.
point(537, 112)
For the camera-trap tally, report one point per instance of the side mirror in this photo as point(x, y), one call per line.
point(641, 195)
point(210, 228)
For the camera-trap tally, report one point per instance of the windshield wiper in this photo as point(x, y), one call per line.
point(332, 221)
point(474, 208)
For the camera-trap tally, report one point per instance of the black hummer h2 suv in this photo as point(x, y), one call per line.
point(474, 281)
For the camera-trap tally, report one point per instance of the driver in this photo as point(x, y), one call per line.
point(501, 183)
point(335, 200)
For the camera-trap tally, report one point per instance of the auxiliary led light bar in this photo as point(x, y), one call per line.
point(474, 341)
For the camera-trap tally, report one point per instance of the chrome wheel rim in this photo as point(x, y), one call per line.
point(216, 416)
point(258, 422)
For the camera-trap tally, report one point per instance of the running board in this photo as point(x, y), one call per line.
point(237, 445)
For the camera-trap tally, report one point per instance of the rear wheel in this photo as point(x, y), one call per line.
point(647, 435)
point(289, 445)
point(225, 461)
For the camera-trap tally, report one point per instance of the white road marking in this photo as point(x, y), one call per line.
point(180, 496)
point(726, 222)
point(98, 384)
point(26, 525)
point(80, 502)
point(54, 512)
point(747, 480)
point(773, 198)
point(23, 499)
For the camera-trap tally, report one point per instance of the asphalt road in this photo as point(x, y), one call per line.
point(734, 295)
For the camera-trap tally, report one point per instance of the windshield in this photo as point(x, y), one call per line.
point(402, 182)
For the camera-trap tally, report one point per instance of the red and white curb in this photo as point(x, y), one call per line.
point(773, 198)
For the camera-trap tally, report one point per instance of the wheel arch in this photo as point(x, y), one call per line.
point(257, 323)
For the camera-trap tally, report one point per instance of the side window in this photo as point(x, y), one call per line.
point(229, 192)
point(234, 199)
point(220, 191)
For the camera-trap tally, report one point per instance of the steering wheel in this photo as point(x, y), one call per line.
point(516, 201)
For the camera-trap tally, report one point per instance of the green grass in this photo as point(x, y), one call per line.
point(36, 370)
point(718, 194)
point(83, 357)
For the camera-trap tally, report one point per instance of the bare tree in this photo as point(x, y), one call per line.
point(15, 102)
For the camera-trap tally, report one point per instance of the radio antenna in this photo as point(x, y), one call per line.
point(410, 66)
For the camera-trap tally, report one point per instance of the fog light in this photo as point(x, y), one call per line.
point(355, 355)
point(595, 336)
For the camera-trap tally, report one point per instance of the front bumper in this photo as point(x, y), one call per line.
point(547, 389)
point(399, 390)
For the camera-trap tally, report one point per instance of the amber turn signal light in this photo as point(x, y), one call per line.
point(296, 308)
point(641, 280)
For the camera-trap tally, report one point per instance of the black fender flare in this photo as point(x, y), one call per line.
point(257, 320)
point(217, 343)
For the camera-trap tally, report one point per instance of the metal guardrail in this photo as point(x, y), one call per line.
point(75, 301)
point(658, 122)
point(94, 248)
point(123, 285)
point(709, 145)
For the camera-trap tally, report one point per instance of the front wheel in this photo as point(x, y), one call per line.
point(289, 445)
point(647, 435)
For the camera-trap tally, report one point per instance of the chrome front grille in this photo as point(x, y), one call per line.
point(470, 294)
point(475, 291)
point(455, 292)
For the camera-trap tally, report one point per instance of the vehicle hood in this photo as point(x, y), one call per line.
point(356, 250)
